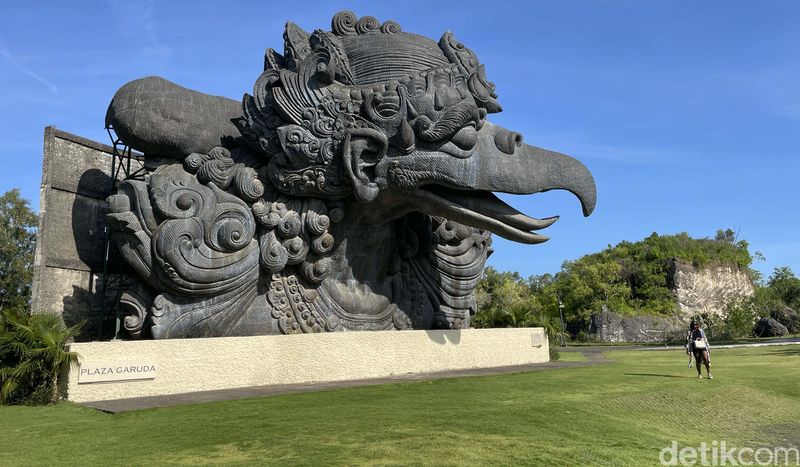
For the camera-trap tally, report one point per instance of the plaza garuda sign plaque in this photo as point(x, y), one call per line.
point(352, 190)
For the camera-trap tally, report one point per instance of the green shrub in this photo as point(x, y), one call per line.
point(33, 356)
point(739, 319)
point(581, 336)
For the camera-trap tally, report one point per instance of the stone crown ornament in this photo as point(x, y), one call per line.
point(352, 190)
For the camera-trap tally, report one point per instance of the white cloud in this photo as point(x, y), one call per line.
point(15, 64)
point(137, 21)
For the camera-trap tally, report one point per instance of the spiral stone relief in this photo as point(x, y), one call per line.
point(356, 195)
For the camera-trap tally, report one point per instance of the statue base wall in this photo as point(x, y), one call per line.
point(125, 369)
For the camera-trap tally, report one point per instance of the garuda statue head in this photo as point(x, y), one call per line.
point(352, 190)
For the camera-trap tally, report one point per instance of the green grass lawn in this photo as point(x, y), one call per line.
point(564, 356)
point(616, 414)
point(715, 339)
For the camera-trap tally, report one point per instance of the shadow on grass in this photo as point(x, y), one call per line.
point(788, 350)
point(653, 374)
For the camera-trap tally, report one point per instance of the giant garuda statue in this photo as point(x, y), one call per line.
point(351, 191)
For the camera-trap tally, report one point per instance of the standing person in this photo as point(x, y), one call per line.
point(698, 343)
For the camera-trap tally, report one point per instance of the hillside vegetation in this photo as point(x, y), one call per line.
point(630, 278)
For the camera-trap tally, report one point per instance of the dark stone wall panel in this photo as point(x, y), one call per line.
point(75, 238)
point(67, 171)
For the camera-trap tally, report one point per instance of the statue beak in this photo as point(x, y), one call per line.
point(460, 185)
point(502, 163)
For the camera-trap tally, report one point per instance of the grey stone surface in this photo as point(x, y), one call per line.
point(787, 317)
point(205, 121)
point(78, 169)
point(769, 327)
point(70, 241)
point(75, 286)
point(355, 194)
point(77, 223)
point(608, 326)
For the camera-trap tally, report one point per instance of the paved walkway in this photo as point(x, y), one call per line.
point(594, 355)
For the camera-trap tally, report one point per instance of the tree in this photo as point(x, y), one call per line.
point(590, 285)
point(786, 286)
point(17, 244)
point(727, 235)
point(504, 300)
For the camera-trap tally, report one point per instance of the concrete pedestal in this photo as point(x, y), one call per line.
point(124, 369)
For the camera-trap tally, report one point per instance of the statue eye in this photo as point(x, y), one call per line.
point(441, 79)
point(416, 87)
point(479, 88)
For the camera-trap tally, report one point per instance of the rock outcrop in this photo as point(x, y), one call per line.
point(706, 291)
point(769, 327)
point(698, 292)
point(608, 326)
point(787, 317)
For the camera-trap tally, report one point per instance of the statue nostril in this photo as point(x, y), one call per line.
point(507, 141)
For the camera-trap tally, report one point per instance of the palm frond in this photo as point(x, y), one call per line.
point(39, 346)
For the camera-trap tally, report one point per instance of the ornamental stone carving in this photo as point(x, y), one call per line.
point(351, 190)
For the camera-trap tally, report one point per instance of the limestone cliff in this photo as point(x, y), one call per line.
point(697, 291)
point(707, 290)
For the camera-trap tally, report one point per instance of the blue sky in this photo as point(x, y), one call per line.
point(688, 113)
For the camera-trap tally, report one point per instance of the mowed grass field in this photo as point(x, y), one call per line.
point(621, 413)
